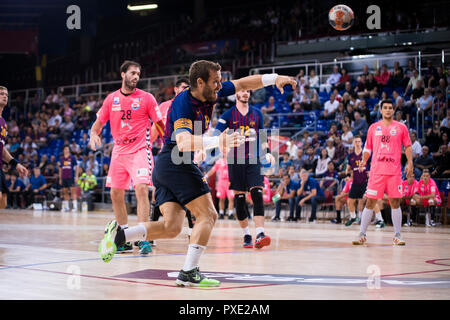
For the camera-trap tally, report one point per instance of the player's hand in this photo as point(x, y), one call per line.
point(282, 81)
point(362, 166)
point(199, 156)
point(227, 141)
point(409, 170)
point(94, 141)
point(21, 169)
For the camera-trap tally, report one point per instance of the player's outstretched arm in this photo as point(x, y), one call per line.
point(188, 142)
point(259, 81)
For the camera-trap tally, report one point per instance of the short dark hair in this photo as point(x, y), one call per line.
point(180, 81)
point(200, 69)
point(357, 136)
point(128, 63)
point(385, 101)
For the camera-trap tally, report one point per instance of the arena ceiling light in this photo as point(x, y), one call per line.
point(141, 7)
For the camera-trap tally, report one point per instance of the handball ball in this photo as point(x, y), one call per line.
point(341, 17)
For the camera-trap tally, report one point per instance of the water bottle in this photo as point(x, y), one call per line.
point(276, 197)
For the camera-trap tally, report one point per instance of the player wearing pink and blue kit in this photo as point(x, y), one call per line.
point(427, 195)
point(223, 187)
point(385, 141)
point(129, 111)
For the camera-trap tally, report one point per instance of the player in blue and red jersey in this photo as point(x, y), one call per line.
point(178, 180)
point(5, 155)
point(244, 165)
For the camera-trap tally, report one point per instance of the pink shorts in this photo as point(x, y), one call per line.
point(126, 168)
point(380, 184)
point(223, 191)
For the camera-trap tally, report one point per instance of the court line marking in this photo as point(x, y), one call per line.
point(433, 261)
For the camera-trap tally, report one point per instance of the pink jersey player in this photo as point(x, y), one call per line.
point(385, 143)
point(130, 127)
point(223, 182)
point(347, 187)
point(409, 189)
point(427, 189)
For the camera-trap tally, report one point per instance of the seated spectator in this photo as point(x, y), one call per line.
point(332, 81)
point(297, 97)
point(383, 76)
point(341, 199)
point(413, 81)
point(258, 96)
point(347, 136)
point(340, 113)
point(425, 102)
point(365, 72)
point(315, 142)
point(340, 153)
point(295, 175)
point(427, 195)
point(372, 85)
point(298, 161)
point(330, 180)
point(308, 192)
point(92, 164)
point(287, 193)
point(306, 140)
point(75, 148)
point(400, 118)
point(313, 80)
point(444, 139)
point(397, 78)
point(292, 148)
point(15, 188)
point(424, 161)
point(433, 138)
point(364, 111)
point(348, 89)
point(330, 148)
point(416, 146)
point(14, 147)
point(360, 87)
point(409, 72)
point(330, 107)
point(442, 161)
point(37, 186)
point(446, 121)
point(354, 101)
point(333, 132)
point(67, 128)
point(309, 164)
point(55, 116)
point(310, 99)
point(269, 107)
point(406, 111)
point(430, 72)
point(322, 163)
point(28, 142)
point(342, 83)
point(360, 125)
point(84, 142)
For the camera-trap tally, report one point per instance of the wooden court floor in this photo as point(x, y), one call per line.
point(53, 255)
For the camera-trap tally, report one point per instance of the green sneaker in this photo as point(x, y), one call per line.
point(126, 247)
point(144, 247)
point(379, 224)
point(107, 248)
point(351, 221)
point(194, 278)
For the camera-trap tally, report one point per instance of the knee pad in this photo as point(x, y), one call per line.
point(258, 202)
point(240, 206)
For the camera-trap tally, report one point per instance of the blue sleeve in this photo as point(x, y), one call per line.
point(228, 89)
point(222, 124)
point(43, 180)
point(182, 115)
point(261, 118)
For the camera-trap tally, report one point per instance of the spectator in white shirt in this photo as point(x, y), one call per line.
point(313, 80)
point(416, 147)
point(347, 136)
point(56, 116)
point(331, 81)
point(291, 148)
point(330, 107)
point(413, 81)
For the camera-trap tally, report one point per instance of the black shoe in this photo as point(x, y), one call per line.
point(294, 219)
point(221, 216)
point(336, 221)
point(248, 243)
point(290, 219)
point(276, 218)
point(311, 219)
point(231, 217)
point(194, 278)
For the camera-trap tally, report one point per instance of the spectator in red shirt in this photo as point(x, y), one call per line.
point(343, 79)
point(382, 77)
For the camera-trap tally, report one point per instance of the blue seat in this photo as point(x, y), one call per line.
point(445, 187)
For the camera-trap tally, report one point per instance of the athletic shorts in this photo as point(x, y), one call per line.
point(179, 183)
point(126, 168)
point(357, 191)
point(3, 186)
point(67, 183)
point(223, 191)
point(380, 184)
point(243, 177)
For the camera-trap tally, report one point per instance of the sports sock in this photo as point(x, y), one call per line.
point(366, 217)
point(338, 214)
point(396, 215)
point(231, 212)
point(359, 215)
point(222, 212)
point(379, 216)
point(193, 256)
point(259, 230)
point(138, 232)
point(75, 204)
point(123, 226)
point(246, 230)
point(352, 215)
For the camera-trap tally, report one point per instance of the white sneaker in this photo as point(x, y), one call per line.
point(74, 210)
point(398, 240)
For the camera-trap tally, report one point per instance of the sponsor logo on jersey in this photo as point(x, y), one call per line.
point(378, 131)
point(371, 192)
point(116, 100)
point(116, 108)
point(136, 104)
point(143, 172)
point(400, 188)
point(393, 131)
point(222, 121)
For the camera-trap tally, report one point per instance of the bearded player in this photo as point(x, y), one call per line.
point(179, 182)
point(385, 140)
point(128, 110)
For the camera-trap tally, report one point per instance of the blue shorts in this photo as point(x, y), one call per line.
point(179, 183)
point(243, 177)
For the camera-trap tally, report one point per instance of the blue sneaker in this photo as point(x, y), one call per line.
point(248, 241)
point(145, 247)
point(126, 247)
